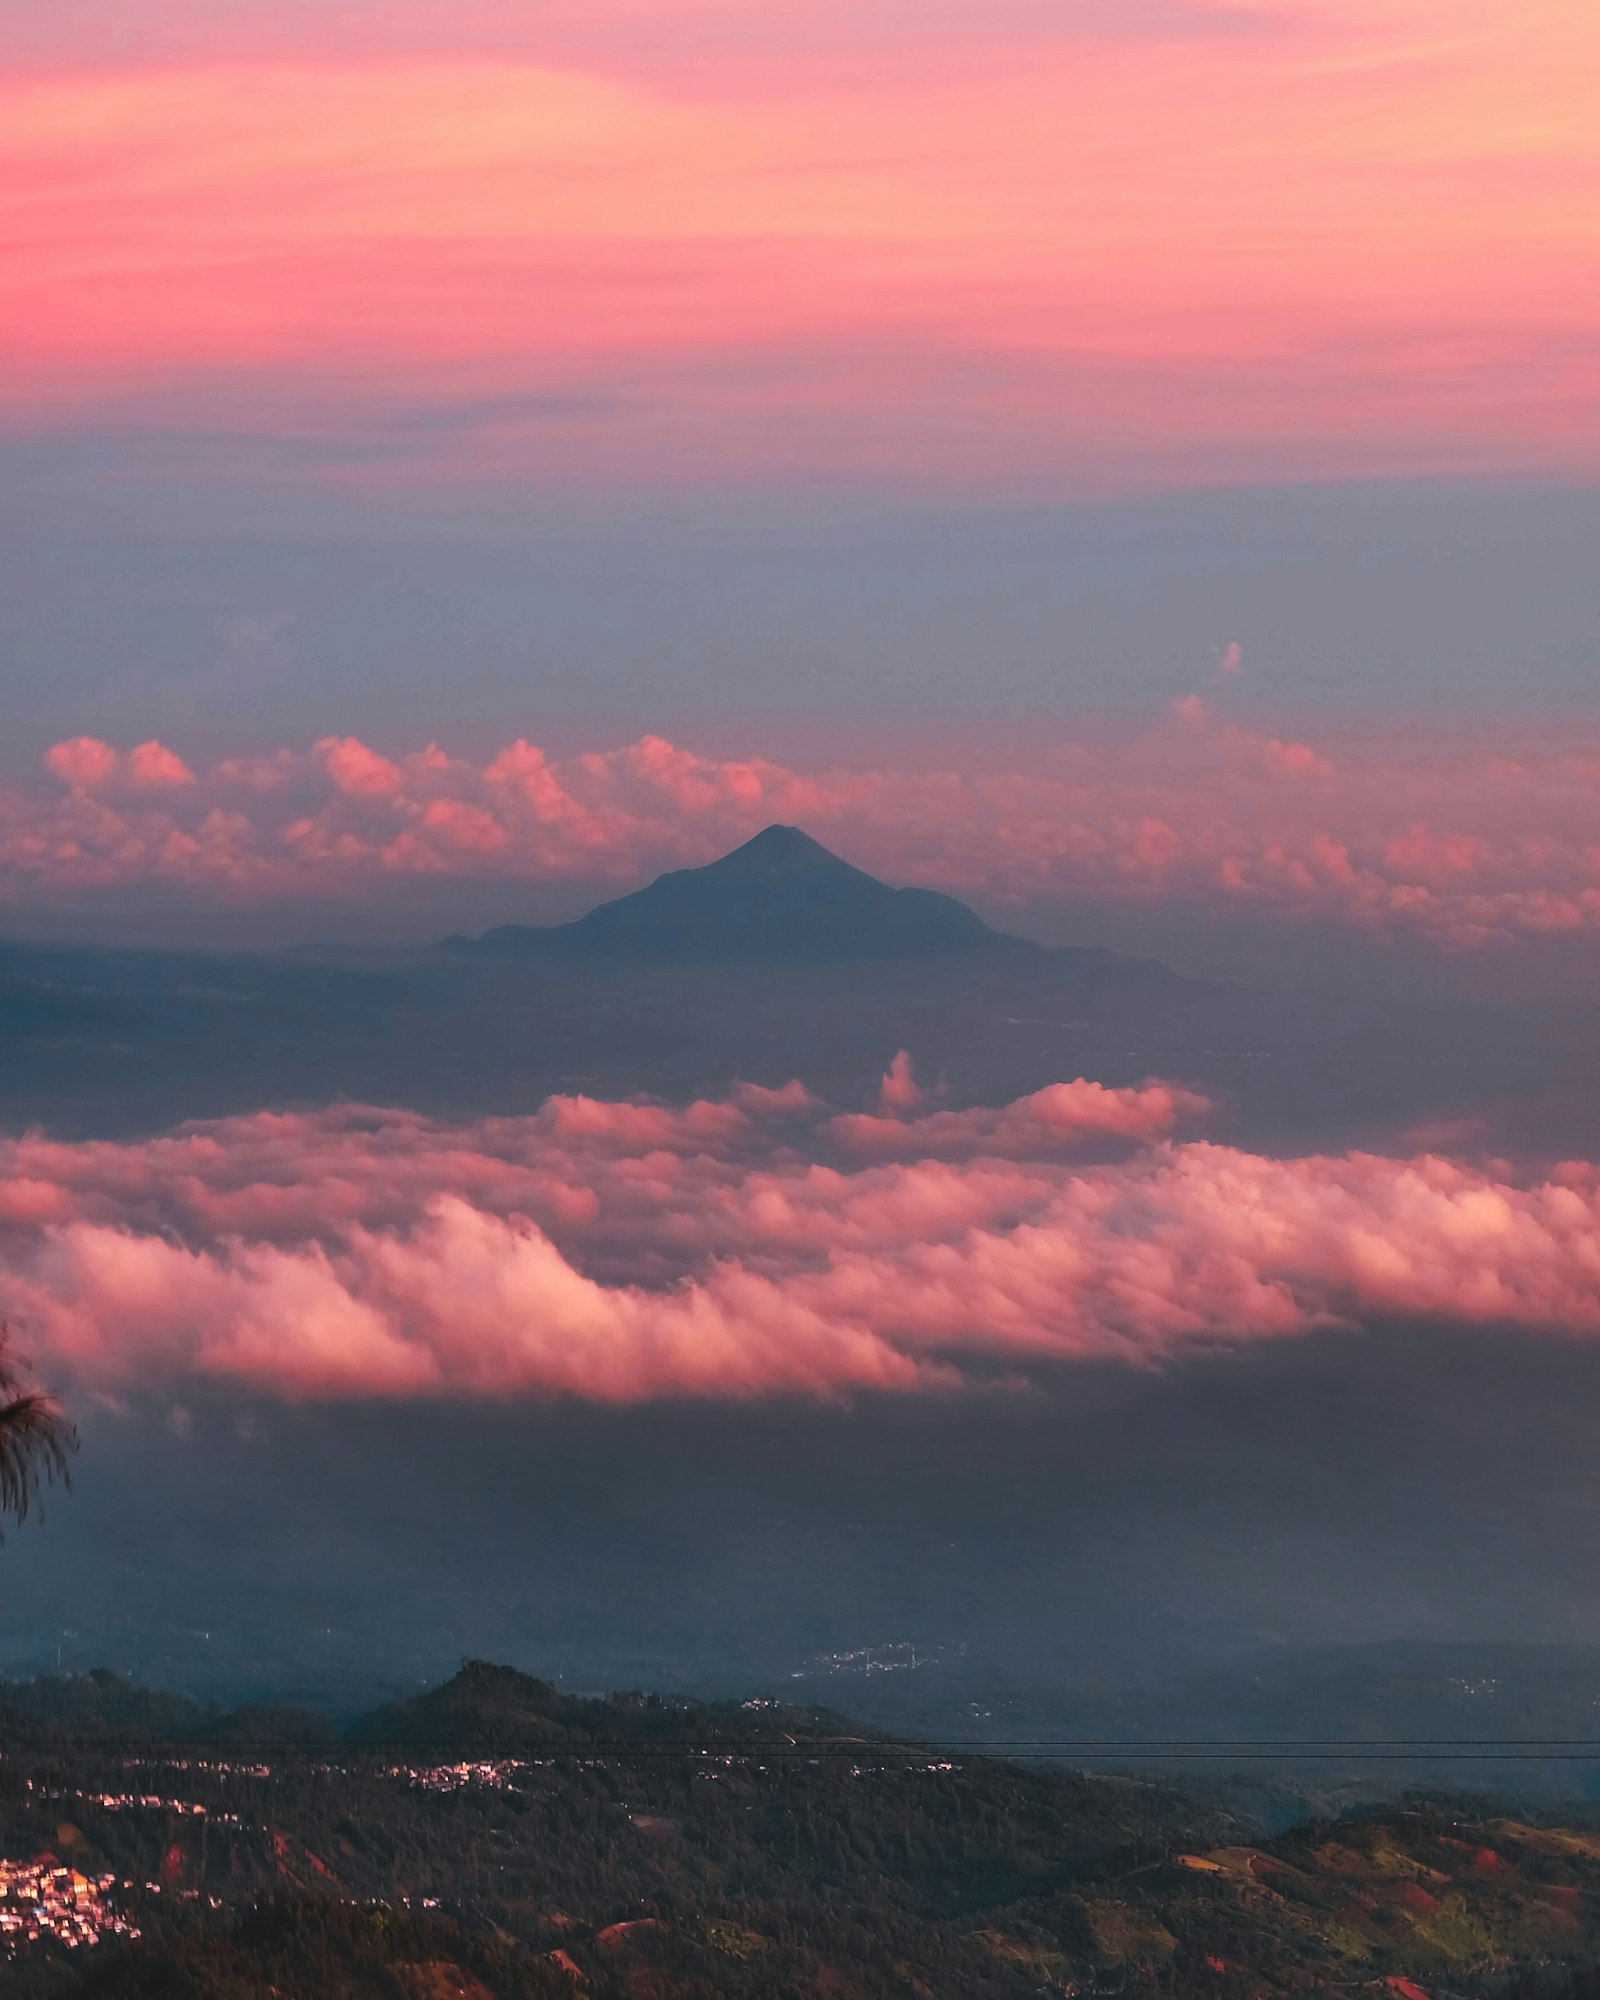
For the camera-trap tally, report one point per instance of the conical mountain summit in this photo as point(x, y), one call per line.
point(782, 895)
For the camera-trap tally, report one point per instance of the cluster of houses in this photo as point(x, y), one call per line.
point(496, 1775)
point(42, 1899)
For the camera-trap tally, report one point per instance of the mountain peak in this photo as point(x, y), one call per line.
point(780, 847)
point(782, 898)
point(779, 896)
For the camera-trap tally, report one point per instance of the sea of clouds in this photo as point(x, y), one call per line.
point(758, 1245)
point(1461, 846)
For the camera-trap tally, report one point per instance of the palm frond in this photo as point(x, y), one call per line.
point(36, 1440)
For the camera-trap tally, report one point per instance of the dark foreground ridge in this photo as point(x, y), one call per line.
point(501, 1839)
point(780, 896)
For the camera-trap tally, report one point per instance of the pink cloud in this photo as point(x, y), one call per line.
point(153, 767)
point(734, 1249)
point(1060, 1115)
point(1467, 847)
point(357, 771)
point(900, 1092)
point(1271, 754)
point(82, 762)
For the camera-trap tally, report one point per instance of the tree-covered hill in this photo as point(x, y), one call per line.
point(500, 1837)
point(488, 1707)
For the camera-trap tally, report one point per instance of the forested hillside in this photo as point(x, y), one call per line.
point(500, 1837)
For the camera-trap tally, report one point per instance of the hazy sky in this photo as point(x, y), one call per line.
point(1132, 463)
point(679, 364)
point(927, 386)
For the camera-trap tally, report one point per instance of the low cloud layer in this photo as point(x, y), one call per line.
point(1464, 848)
point(754, 1246)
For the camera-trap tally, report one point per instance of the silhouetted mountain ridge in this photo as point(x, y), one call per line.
point(482, 1707)
point(101, 1706)
point(782, 895)
point(489, 1707)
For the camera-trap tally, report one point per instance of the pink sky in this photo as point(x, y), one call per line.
point(656, 240)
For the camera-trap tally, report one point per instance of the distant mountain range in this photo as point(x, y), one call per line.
point(782, 895)
point(482, 1708)
point(1380, 1716)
